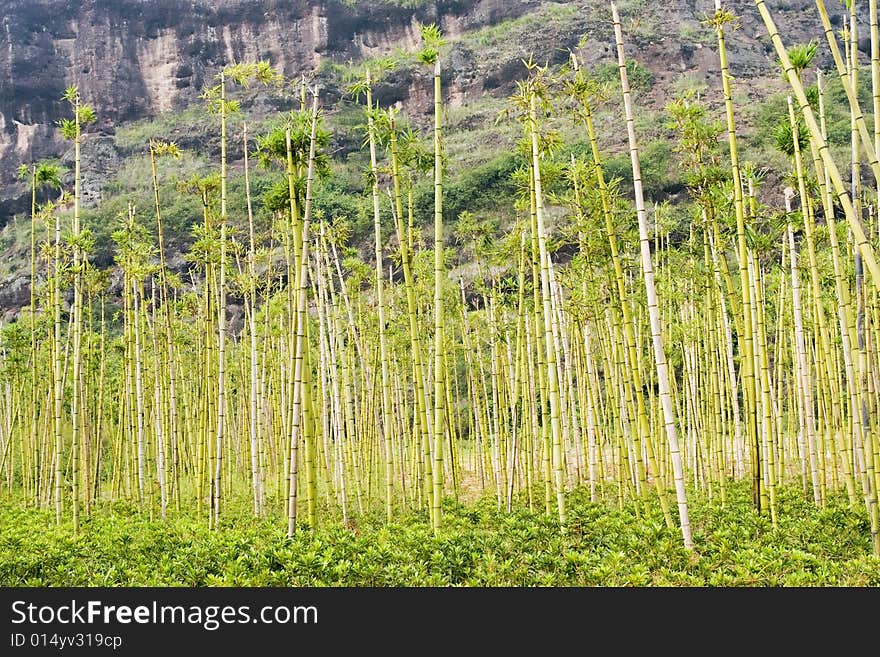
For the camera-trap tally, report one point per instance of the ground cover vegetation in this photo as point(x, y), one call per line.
point(608, 388)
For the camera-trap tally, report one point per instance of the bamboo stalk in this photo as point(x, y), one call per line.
point(648, 271)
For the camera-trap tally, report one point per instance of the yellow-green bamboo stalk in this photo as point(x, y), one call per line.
point(861, 241)
point(844, 315)
point(844, 72)
point(405, 245)
point(251, 306)
point(648, 272)
point(387, 424)
point(32, 442)
point(547, 313)
point(56, 358)
point(158, 149)
point(643, 431)
point(875, 77)
point(438, 304)
point(300, 378)
point(748, 374)
point(221, 317)
point(800, 344)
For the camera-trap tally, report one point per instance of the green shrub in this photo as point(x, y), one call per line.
point(639, 76)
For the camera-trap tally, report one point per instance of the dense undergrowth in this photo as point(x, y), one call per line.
point(479, 546)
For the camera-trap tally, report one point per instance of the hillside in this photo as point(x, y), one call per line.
point(142, 65)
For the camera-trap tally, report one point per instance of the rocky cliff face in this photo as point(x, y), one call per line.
point(137, 58)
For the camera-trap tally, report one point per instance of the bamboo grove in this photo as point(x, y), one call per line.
point(643, 368)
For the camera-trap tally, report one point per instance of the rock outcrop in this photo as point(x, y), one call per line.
point(136, 58)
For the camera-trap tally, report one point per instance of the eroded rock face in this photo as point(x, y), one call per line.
point(137, 58)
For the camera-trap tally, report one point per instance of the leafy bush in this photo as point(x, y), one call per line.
point(639, 76)
point(484, 187)
point(660, 173)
